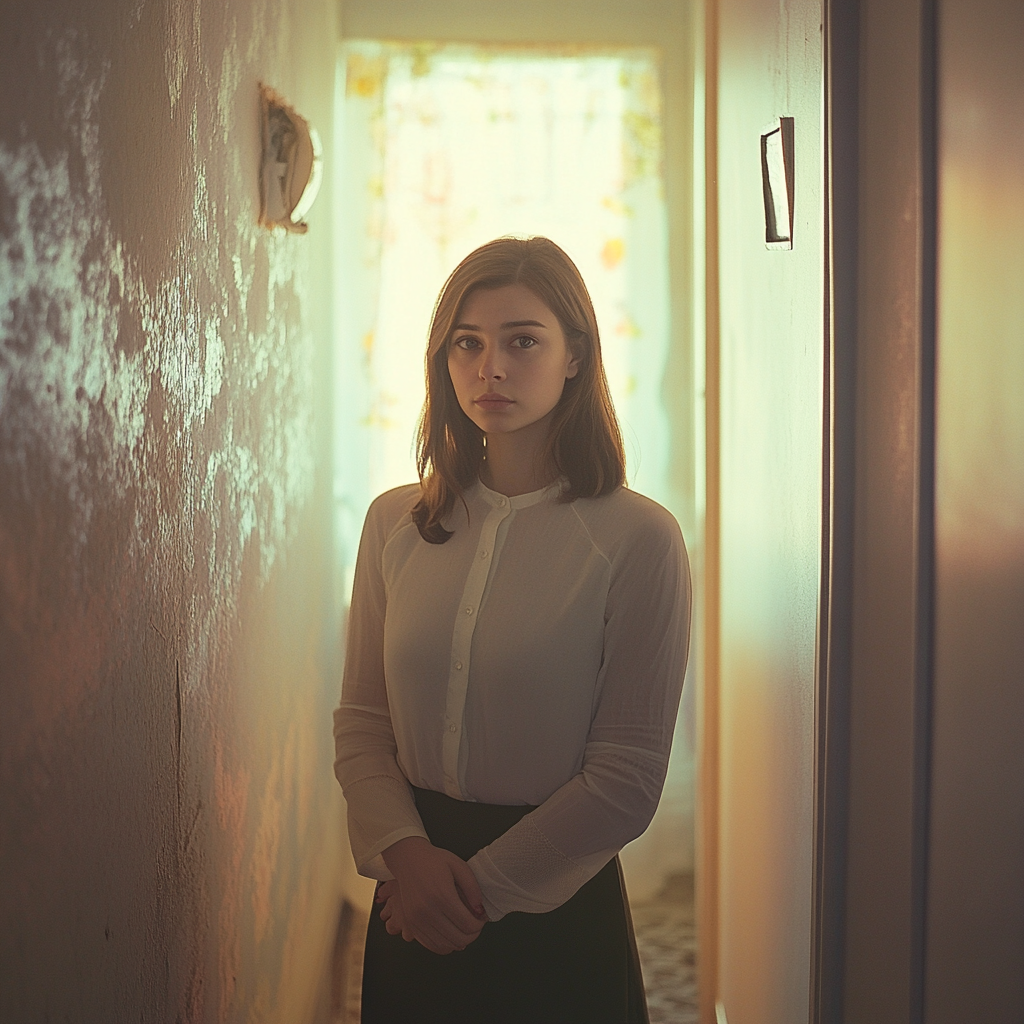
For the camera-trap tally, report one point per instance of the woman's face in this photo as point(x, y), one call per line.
point(508, 359)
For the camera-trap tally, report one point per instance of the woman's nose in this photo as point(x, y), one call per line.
point(492, 366)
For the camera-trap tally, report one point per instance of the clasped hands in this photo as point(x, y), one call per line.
point(434, 897)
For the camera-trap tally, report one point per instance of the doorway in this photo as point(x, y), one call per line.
point(445, 145)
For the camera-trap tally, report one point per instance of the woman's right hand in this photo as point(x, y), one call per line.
point(441, 903)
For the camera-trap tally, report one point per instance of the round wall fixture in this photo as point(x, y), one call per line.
point(292, 164)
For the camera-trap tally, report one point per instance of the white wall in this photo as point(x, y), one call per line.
point(771, 337)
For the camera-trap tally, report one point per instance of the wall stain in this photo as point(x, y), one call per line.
point(67, 285)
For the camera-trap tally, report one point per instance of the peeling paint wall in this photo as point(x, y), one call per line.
point(171, 844)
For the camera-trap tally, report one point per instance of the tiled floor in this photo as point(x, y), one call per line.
point(667, 941)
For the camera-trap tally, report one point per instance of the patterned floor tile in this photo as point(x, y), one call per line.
point(666, 938)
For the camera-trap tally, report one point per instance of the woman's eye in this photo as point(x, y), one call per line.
point(466, 343)
point(525, 342)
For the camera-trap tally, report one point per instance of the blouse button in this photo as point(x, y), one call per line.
point(451, 728)
point(483, 554)
point(458, 666)
point(469, 611)
point(501, 502)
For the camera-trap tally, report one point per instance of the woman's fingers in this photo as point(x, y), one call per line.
point(437, 941)
point(391, 915)
point(441, 939)
point(438, 933)
point(436, 889)
point(466, 911)
point(468, 887)
point(394, 921)
point(437, 944)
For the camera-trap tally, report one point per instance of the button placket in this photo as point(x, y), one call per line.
point(462, 642)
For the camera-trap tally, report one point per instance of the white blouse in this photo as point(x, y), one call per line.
point(537, 657)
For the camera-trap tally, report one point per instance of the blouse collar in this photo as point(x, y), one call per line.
point(520, 500)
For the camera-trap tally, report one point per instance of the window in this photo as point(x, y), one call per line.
point(444, 147)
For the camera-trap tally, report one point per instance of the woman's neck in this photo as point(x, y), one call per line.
point(516, 463)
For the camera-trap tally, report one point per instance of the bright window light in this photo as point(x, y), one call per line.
point(444, 147)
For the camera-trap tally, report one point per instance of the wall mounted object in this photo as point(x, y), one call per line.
point(292, 164)
point(777, 180)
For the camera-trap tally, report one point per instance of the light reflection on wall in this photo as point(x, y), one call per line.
point(172, 846)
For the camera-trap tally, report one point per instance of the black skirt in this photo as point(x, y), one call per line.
point(576, 964)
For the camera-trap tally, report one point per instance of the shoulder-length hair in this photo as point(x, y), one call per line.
point(584, 443)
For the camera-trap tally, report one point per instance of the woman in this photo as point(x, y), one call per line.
point(516, 649)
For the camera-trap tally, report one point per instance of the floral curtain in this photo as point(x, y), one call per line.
point(444, 147)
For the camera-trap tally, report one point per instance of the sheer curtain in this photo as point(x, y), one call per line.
point(444, 147)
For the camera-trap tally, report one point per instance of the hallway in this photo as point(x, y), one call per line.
point(174, 846)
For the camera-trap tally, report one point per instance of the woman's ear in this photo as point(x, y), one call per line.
point(575, 358)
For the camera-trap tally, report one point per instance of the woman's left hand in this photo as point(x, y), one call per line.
point(390, 895)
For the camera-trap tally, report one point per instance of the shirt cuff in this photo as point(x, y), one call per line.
point(373, 865)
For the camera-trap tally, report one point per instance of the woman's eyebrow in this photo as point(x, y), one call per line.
point(504, 327)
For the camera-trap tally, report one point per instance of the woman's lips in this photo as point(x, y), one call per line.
point(492, 400)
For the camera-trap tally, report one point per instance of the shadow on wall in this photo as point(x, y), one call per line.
point(172, 843)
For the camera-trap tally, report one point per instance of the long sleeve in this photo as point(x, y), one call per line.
point(543, 860)
point(537, 658)
point(381, 810)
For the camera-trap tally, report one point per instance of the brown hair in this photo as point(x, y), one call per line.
point(584, 443)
